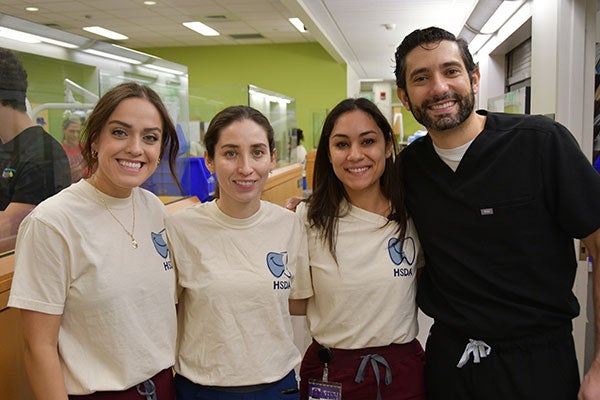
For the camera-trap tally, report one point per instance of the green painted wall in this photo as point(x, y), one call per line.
point(304, 71)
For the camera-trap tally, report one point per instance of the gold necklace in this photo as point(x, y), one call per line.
point(134, 242)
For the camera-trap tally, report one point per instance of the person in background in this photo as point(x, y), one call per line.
point(33, 165)
point(301, 154)
point(238, 260)
point(364, 255)
point(497, 200)
point(93, 275)
point(300, 149)
point(73, 147)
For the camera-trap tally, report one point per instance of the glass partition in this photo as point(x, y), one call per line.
point(208, 100)
point(61, 88)
point(64, 83)
point(281, 112)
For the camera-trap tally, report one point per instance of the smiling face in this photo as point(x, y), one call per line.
point(439, 91)
point(128, 147)
point(357, 151)
point(242, 162)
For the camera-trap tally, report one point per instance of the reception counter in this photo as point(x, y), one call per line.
point(283, 183)
point(13, 380)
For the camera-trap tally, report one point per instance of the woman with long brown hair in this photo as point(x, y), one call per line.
point(93, 276)
point(364, 255)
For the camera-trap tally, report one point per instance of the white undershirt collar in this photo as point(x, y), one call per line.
point(452, 157)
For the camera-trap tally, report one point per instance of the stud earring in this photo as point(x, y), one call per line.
point(94, 154)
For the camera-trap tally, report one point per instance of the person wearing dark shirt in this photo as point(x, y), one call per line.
point(497, 200)
point(33, 165)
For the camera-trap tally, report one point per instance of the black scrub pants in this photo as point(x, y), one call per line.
point(542, 366)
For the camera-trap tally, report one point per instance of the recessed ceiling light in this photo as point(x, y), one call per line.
point(105, 32)
point(112, 56)
point(18, 35)
point(32, 9)
point(202, 29)
point(134, 51)
point(149, 3)
point(163, 69)
point(29, 38)
point(500, 16)
point(298, 24)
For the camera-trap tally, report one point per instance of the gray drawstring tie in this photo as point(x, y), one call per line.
point(478, 348)
point(374, 358)
point(148, 391)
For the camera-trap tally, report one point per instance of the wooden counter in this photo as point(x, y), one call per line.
point(310, 168)
point(283, 183)
point(13, 380)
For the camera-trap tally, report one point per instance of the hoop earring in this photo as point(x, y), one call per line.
point(158, 162)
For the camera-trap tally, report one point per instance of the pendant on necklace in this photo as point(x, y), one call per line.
point(134, 243)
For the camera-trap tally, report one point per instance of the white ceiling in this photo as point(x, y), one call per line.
point(352, 31)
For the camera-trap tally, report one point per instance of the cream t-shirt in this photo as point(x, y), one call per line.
point(367, 299)
point(117, 303)
point(236, 276)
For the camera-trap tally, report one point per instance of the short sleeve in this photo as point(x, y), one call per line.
point(572, 184)
point(301, 281)
point(41, 278)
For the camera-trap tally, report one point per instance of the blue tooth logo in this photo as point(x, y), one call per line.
point(277, 264)
point(396, 249)
point(159, 244)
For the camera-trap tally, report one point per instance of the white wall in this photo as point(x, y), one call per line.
point(352, 82)
point(382, 97)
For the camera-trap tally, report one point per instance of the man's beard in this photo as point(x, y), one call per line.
point(443, 122)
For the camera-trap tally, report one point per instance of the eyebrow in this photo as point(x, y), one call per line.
point(343, 135)
point(444, 65)
point(236, 146)
point(129, 126)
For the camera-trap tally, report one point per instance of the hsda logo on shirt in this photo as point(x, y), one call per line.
point(402, 250)
point(161, 248)
point(277, 264)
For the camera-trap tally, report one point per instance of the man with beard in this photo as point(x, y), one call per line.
point(497, 200)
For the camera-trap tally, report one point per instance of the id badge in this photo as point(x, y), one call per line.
point(319, 390)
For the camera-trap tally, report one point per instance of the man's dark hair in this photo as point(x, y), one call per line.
point(428, 36)
point(13, 81)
